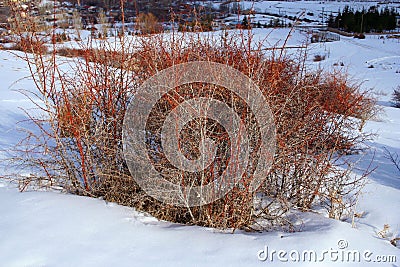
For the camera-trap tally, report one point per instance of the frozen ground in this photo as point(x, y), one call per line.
point(52, 229)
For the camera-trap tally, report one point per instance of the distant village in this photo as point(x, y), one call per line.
point(146, 17)
point(166, 14)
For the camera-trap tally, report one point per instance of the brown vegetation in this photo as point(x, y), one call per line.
point(148, 24)
point(80, 145)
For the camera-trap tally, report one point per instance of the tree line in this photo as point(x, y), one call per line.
point(371, 20)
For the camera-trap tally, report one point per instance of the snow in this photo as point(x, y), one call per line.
point(316, 11)
point(360, 55)
point(54, 229)
point(51, 229)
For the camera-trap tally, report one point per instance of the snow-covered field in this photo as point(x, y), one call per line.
point(316, 12)
point(53, 229)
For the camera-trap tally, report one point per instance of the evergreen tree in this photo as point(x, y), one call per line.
point(245, 23)
point(365, 21)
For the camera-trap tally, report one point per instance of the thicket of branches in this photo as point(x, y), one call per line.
point(318, 115)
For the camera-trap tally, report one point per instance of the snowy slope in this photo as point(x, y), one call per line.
point(317, 12)
point(52, 229)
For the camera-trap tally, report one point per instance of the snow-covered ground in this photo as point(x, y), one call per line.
point(53, 229)
point(317, 12)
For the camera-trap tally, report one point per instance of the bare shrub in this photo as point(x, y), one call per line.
point(318, 58)
point(359, 35)
point(394, 158)
point(33, 44)
point(79, 148)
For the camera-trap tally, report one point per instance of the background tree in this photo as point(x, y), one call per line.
point(147, 23)
point(245, 23)
point(77, 23)
point(396, 97)
point(104, 24)
point(365, 20)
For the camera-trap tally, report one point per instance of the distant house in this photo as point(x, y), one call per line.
point(218, 24)
point(324, 36)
